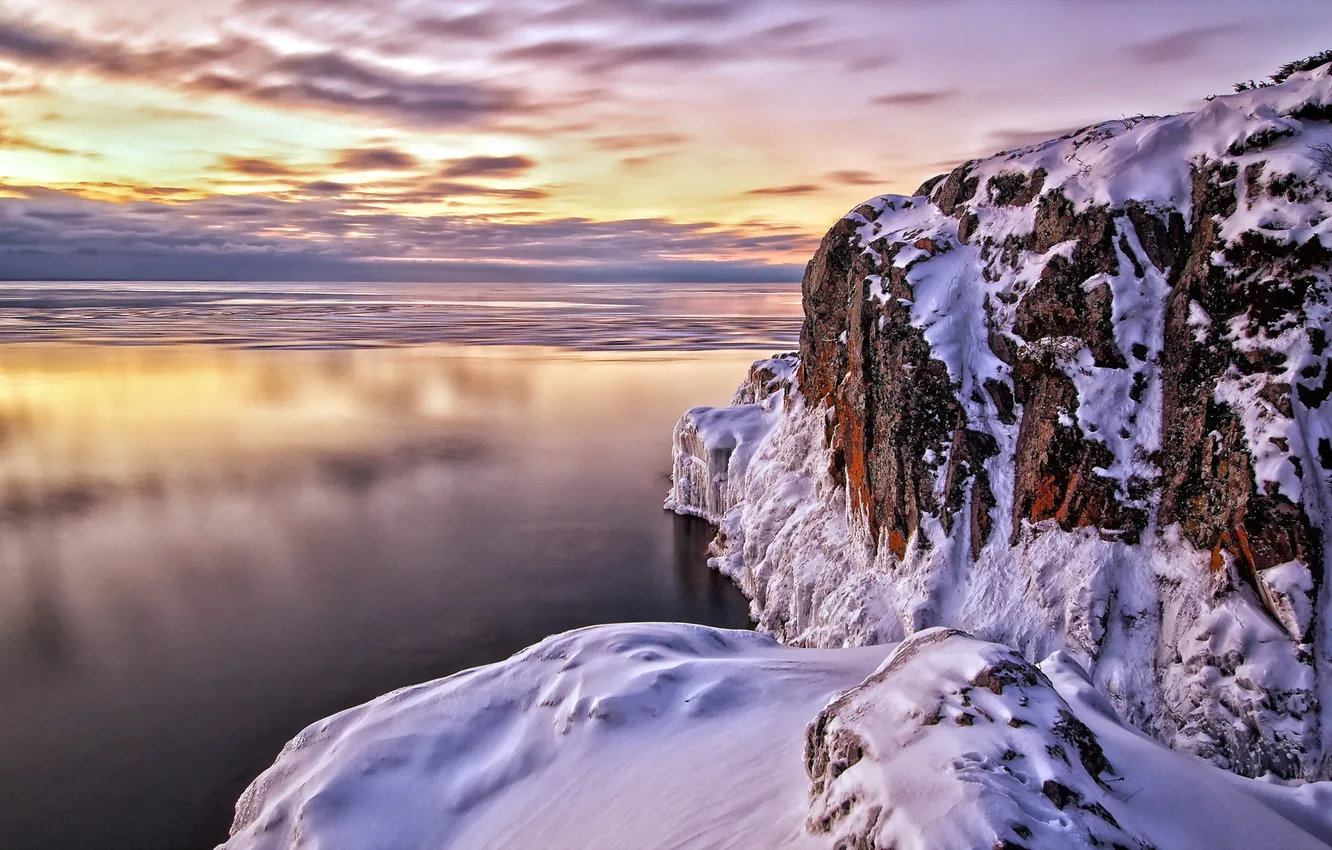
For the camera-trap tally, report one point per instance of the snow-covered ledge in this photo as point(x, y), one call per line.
point(712, 446)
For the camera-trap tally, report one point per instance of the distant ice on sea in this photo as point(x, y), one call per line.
point(677, 316)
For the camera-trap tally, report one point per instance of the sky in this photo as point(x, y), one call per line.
point(597, 140)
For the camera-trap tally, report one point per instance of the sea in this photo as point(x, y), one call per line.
point(228, 510)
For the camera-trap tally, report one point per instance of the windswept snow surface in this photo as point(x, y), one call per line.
point(642, 736)
point(673, 736)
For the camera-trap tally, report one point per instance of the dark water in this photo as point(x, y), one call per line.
point(204, 549)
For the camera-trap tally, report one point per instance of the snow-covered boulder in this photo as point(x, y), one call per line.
point(1074, 397)
point(673, 736)
point(958, 743)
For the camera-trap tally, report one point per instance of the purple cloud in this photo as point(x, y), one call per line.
point(1177, 46)
point(914, 98)
point(376, 159)
point(487, 166)
point(795, 189)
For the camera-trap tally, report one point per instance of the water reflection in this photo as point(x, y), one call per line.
point(203, 549)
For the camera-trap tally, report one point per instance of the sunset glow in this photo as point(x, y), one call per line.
point(606, 138)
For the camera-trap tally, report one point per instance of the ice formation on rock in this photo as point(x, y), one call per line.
point(713, 445)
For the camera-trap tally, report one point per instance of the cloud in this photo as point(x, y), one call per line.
point(854, 178)
point(14, 140)
point(635, 162)
point(790, 29)
point(476, 25)
point(1177, 46)
point(706, 44)
point(694, 11)
point(796, 189)
point(376, 159)
point(1013, 139)
point(552, 49)
point(24, 42)
point(487, 166)
point(869, 62)
point(914, 98)
point(256, 167)
point(55, 235)
point(451, 189)
point(331, 80)
point(386, 60)
point(660, 53)
point(246, 67)
point(600, 56)
point(647, 11)
point(325, 187)
point(636, 141)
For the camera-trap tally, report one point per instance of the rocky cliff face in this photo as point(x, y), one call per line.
point(1074, 396)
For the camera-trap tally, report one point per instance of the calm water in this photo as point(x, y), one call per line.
point(203, 548)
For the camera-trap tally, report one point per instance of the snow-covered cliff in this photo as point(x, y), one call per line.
point(1073, 398)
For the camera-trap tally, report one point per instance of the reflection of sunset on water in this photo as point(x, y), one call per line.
point(125, 416)
point(202, 548)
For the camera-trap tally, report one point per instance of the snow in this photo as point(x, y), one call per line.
point(676, 736)
point(949, 292)
point(1199, 320)
point(1149, 159)
point(1199, 667)
point(766, 378)
point(1183, 803)
point(956, 743)
point(1288, 591)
